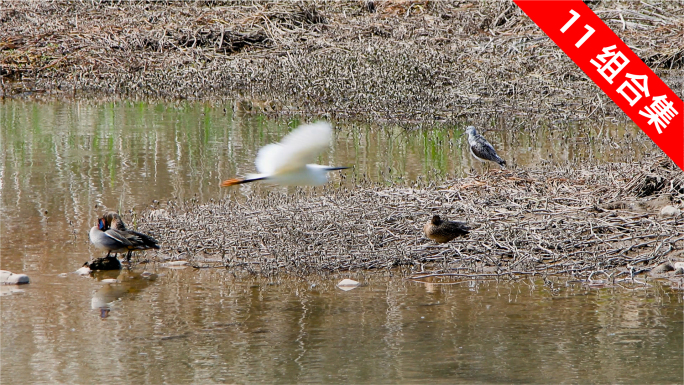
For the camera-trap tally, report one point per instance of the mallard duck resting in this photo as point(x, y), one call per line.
point(140, 241)
point(481, 149)
point(443, 231)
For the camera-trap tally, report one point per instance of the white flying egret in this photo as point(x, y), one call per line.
point(288, 162)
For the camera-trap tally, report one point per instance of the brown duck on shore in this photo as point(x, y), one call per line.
point(442, 231)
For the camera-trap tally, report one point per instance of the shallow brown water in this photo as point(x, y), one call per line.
point(63, 163)
point(190, 326)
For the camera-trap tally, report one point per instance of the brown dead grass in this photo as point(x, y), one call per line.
point(579, 222)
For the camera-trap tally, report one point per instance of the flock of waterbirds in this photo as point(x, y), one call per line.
point(288, 163)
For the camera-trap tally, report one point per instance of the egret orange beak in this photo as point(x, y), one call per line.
point(230, 182)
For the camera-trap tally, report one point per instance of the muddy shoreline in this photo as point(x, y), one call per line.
point(591, 223)
point(409, 62)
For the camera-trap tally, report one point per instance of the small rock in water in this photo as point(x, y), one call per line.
point(85, 270)
point(175, 264)
point(347, 284)
point(109, 280)
point(104, 263)
point(9, 278)
point(669, 211)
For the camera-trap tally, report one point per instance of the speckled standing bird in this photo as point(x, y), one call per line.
point(481, 149)
point(442, 231)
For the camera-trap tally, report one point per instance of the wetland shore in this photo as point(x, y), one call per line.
point(405, 63)
point(598, 224)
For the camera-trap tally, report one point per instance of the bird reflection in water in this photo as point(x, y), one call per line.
point(117, 285)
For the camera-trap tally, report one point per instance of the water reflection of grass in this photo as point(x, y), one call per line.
point(127, 153)
point(63, 162)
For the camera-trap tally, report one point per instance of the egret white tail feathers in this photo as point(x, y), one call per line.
point(289, 162)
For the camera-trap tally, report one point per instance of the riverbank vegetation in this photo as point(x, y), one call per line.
point(600, 223)
point(403, 61)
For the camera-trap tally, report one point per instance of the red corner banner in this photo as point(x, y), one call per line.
point(618, 71)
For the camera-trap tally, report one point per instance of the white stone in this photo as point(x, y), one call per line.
point(347, 284)
point(85, 270)
point(9, 278)
point(669, 211)
point(175, 264)
point(678, 265)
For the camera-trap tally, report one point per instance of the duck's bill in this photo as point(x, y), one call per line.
point(250, 178)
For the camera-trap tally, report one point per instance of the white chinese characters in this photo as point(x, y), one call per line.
point(610, 63)
point(635, 96)
point(611, 67)
point(660, 112)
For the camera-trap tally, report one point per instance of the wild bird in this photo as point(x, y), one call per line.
point(116, 241)
point(481, 149)
point(288, 163)
point(139, 240)
point(442, 231)
point(109, 240)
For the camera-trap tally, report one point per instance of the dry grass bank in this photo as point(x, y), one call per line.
point(386, 60)
point(571, 222)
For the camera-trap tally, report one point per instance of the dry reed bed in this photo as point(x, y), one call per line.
point(541, 221)
point(393, 60)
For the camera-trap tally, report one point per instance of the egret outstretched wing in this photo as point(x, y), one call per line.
point(298, 148)
point(267, 158)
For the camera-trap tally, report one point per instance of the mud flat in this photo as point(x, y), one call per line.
point(396, 60)
point(597, 223)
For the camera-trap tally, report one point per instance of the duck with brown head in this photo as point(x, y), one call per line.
point(110, 241)
point(442, 231)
